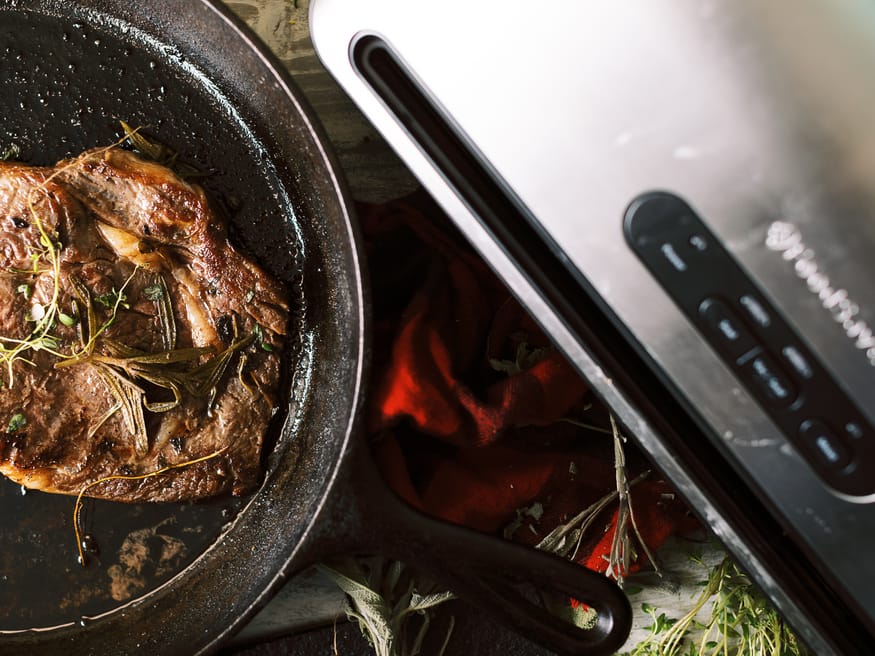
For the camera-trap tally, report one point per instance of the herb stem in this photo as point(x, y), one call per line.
point(77, 508)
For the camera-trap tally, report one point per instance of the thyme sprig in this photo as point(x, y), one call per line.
point(13, 152)
point(729, 617)
point(77, 507)
point(44, 316)
point(45, 259)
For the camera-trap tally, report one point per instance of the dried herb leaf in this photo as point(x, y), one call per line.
point(158, 152)
point(623, 552)
point(150, 149)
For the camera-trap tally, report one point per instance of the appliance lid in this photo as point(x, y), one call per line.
point(683, 191)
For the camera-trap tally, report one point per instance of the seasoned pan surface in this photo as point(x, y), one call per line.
point(69, 72)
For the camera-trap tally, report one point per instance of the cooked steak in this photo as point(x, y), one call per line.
point(133, 336)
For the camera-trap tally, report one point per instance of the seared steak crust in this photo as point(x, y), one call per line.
point(119, 224)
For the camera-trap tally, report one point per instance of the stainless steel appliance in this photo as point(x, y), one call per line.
point(683, 193)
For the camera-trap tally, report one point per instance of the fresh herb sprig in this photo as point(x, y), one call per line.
point(729, 617)
point(126, 371)
point(45, 258)
point(392, 604)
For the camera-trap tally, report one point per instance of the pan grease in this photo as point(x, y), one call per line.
point(786, 239)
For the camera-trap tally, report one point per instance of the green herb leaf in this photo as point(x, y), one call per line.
point(113, 299)
point(525, 359)
point(17, 422)
point(24, 290)
point(13, 152)
point(67, 320)
point(249, 296)
point(47, 342)
point(258, 331)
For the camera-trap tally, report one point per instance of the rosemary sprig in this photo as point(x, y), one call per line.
point(565, 540)
point(179, 371)
point(157, 293)
point(157, 152)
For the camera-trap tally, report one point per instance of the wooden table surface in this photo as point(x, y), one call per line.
point(371, 168)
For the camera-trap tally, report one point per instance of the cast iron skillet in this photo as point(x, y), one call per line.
point(195, 77)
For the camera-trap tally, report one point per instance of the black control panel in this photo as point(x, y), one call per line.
point(752, 338)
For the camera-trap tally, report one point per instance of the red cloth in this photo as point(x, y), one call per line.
point(453, 436)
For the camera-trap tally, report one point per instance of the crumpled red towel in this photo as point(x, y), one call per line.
point(459, 439)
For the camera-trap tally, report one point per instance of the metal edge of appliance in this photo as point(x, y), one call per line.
point(732, 504)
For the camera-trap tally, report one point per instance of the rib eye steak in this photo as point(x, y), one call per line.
point(133, 337)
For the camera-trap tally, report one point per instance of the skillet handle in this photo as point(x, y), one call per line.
point(506, 579)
